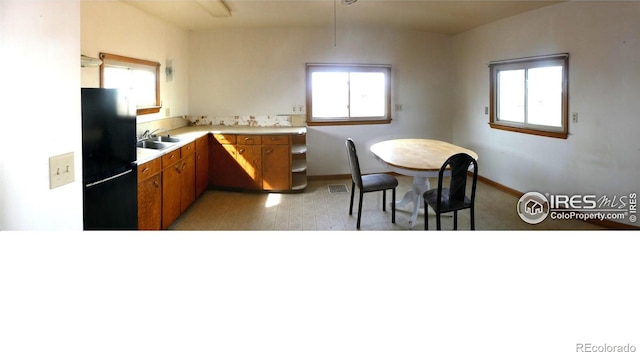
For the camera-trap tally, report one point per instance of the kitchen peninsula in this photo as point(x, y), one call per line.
point(239, 158)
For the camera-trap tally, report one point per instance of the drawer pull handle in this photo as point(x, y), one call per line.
point(145, 170)
point(155, 183)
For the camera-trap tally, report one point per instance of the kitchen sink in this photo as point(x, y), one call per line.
point(166, 139)
point(156, 142)
point(149, 144)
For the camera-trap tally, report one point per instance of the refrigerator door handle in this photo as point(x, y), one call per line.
point(108, 179)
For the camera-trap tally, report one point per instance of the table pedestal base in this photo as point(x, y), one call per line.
point(414, 195)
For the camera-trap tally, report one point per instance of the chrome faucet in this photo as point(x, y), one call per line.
point(144, 135)
point(160, 129)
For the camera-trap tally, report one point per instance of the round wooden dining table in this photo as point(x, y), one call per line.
point(420, 158)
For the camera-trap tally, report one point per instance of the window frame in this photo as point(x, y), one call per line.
point(528, 63)
point(315, 67)
point(132, 63)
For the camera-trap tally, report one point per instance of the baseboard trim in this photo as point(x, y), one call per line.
point(500, 187)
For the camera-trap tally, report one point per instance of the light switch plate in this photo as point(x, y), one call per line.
point(61, 170)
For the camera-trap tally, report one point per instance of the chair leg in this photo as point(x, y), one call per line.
point(384, 200)
point(359, 210)
point(455, 220)
point(353, 189)
point(426, 216)
point(393, 206)
point(438, 227)
point(473, 224)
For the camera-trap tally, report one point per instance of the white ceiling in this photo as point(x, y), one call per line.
point(447, 16)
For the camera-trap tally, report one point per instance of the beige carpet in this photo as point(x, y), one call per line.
point(318, 209)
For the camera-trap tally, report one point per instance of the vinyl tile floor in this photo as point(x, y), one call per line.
point(317, 209)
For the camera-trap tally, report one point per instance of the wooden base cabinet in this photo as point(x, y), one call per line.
point(236, 161)
point(252, 162)
point(223, 169)
point(150, 195)
point(202, 164)
point(249, 160)
point(276, 163)
point(178, 183)
point(187, 182)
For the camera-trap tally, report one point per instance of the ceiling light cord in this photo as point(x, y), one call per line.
point(335, 26)
point(335, 21)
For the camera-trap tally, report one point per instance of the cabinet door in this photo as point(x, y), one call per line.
point(223, 167)
point(150, 203)
point(276, 168)
point(171, 194)
point(202, 164)
point(249, 160)
point(187, 182)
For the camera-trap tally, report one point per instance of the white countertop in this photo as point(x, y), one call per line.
point(189, 134)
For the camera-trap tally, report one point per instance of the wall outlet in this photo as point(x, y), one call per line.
point(167, 112)
point(574, 117)
point(399, 107)
point(61, 170)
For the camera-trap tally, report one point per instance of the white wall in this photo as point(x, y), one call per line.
point(40, 113)
point(601, 155)
point(262, 72)
point(118, 28)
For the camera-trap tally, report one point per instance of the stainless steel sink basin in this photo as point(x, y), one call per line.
point(151, 144)
point(166, 139)
point(157, 142)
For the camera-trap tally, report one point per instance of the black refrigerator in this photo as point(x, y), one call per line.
point(109, 173)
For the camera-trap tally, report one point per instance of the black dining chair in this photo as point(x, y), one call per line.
point(369, 183)
point(454, 197)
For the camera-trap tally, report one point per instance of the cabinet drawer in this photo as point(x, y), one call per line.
point(187, 149)
point(224, 138)
point(275, 139)
point(149, 169)
point(170, 158)
point(249, 139)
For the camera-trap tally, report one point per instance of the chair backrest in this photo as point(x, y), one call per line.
point(354, 163)
point(459, 164)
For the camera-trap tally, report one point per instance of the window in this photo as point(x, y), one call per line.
point(530, 95)
point(140, 77)
point(348, 94)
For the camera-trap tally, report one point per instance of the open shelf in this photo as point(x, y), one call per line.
point(299, 149)
point(299, 181)
point(298, 165)
point(299, 162)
